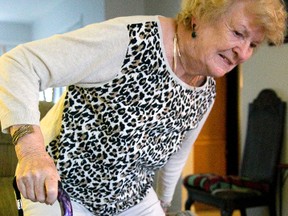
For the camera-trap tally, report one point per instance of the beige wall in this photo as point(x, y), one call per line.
point(268, 68)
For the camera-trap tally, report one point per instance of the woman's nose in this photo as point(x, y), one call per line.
point(243, 52)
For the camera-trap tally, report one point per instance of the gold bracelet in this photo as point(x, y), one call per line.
point(20, 132)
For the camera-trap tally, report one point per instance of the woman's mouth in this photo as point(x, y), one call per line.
point(226, 60)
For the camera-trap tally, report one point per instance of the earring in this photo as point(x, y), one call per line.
point(194, 35)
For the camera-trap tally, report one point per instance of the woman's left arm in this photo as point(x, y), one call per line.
point(171, 172)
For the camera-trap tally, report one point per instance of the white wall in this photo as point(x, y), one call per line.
point(162, 7)
point(268, 68)
point(68, 14)
point(167, 8)
point(14, 33)
point(74, 12)
point(123, 8)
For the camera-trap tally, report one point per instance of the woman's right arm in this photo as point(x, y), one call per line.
point(79, 57)
point(86, 56)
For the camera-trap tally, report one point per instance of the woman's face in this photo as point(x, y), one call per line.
point(222, 45)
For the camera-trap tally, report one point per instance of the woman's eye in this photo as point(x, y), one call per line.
point(253, 45)
point(238, 34)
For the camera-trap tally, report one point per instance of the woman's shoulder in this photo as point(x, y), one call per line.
point(120, 23)
point(126, 20)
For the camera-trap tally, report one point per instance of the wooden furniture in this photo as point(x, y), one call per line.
point(8, 163)
point(211, 138)
point(263, 144)
point(283, 176)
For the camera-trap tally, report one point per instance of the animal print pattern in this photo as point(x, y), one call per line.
point(116, 135)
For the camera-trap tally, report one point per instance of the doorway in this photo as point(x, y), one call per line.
point(216, 149)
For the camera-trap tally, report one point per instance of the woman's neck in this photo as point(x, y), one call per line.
point(169, 31)
point(179, 67)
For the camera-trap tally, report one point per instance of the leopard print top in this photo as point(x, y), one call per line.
point(115, 135)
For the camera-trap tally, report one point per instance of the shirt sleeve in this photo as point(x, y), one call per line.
point(84, 57)
point(169, 175)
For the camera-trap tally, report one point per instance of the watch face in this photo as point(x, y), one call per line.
point(64, 200)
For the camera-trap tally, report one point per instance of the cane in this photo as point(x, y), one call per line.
point(63, 199)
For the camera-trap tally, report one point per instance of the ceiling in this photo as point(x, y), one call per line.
point(25, 11)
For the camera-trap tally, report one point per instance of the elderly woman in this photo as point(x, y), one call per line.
point(139, 91)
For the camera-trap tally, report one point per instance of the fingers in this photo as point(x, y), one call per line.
point(51, 188)
point(39, 189)
point(37, 178)
point(21, 187)
point(26, 187)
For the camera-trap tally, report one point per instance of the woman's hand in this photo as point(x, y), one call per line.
point(165, 206)
point(36, 174)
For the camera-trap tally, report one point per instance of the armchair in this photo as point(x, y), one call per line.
point(256, 183)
